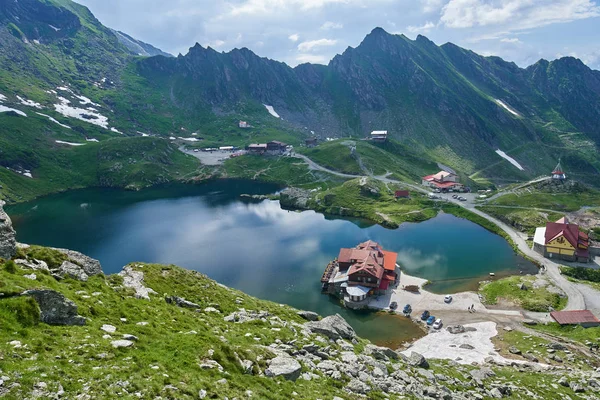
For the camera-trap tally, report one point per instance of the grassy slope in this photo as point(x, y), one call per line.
point(507, 289)
point(523, 220)
point(552, 201)
point(166, 359)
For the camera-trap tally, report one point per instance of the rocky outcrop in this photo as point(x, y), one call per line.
point(294, 198)
point(284, 365)
point(70, 270)
point(380, 353)
point(55, 309)
point(89, 265)
point(334, 327)
point(309, 315)
point(181, 302)
point(8, 244)
point(135, 280)
point(417, 360)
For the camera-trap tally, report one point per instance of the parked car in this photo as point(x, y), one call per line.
point(455, 196)
point(430, 320)
point(448, 299)
point(462, 199)
point(195, 150)
point(437, 324)
point(393, 305)
point(425, 315)
point(407, 309)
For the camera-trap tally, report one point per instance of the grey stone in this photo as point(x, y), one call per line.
point(417, 360)
point(89, 265)
point(466, 346)
point(55, 309)
point(8, 243)
point(70, 270)
point(202, 394)
point(358, 387)
point(514, 350)
point(380, 353)
point(135, 280)
point(530, 357)
point(495, 393)
point(577, 387)
point(286, 366)
point(181, 302)
point(334, 327)
point(108, 328)
point(121, 343)
point(563, 381)
point(556, 346)
point(309, 315)
point(130, 337)
point(530, 322)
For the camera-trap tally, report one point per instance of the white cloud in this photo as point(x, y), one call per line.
point(312, 44)
point(294, 38)
point(421, 29)
point(217, 43)
point(312, 58)
point(510, 40)
point(517, 14)
point(261, 7)
point(430, 6)
point(331, 25)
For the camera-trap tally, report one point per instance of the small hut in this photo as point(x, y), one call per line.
point(558, 173)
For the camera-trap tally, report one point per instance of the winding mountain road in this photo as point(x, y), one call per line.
point(576, 300)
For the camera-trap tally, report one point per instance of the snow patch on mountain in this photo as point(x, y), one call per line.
point(53, 120)
point(69, 143)
point(507, 108)
point(29, 103)
point(271, 111)
point(509, 159)
point(2, 97)
point(7, 109)
point(115, 130)
point(81, 114)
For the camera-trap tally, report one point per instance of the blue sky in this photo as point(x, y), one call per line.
point(297, 31)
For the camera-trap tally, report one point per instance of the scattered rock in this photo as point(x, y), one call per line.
point(557, 346)
point(121, 343)
point(358, 387)
point(309, 315)
point(211, 310)
point(334, 327)
point(108, 328)
point(417, 360)
point(33, 277)
point(530, 322)
point(8, 243)
point(130, 337)
point(242, 316)
point(576, 387)
point(284, 365)
point(135, 280)
point(514, 350)
point(563, 381)
point(466, 346)
point(530, 357)
point(380, 353)
point(55, 309)
point(181, 302)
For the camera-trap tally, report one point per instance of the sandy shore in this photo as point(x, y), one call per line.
point(455, 312)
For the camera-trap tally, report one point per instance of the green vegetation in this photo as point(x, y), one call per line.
point(572, 332)
point(532, 298)
point(581, 273)
point(556, 202)
point(523, 220)
point(373, 200)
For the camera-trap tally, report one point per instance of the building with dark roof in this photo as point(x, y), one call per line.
point(584, 318)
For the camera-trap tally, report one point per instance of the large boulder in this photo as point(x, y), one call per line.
point(70, 270)
point(8, 244)
point(417, 360)
point(334, 327)
point(380, 353)
point(55, 309)
point(89, 265)
point(286, 366)
point(309, 315)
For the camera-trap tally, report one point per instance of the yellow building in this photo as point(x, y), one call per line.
point(562, 240)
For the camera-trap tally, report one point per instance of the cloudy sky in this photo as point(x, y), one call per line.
point(297, 31)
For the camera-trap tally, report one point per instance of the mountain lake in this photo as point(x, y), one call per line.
point(259, 248)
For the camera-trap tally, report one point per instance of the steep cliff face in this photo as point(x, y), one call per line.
point(7, 235)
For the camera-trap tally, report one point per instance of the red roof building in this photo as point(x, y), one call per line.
point(584, 318)
point(563, 238)
point(402, 194)
point(369, 265)
point(443, 180)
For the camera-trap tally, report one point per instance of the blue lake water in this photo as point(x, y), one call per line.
point(257, 247)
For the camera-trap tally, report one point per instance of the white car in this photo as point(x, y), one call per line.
point(448, 299)
point(437, 324)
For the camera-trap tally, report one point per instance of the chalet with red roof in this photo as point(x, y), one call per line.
point(562, 240)
point(443, 181)
point(360, 272)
